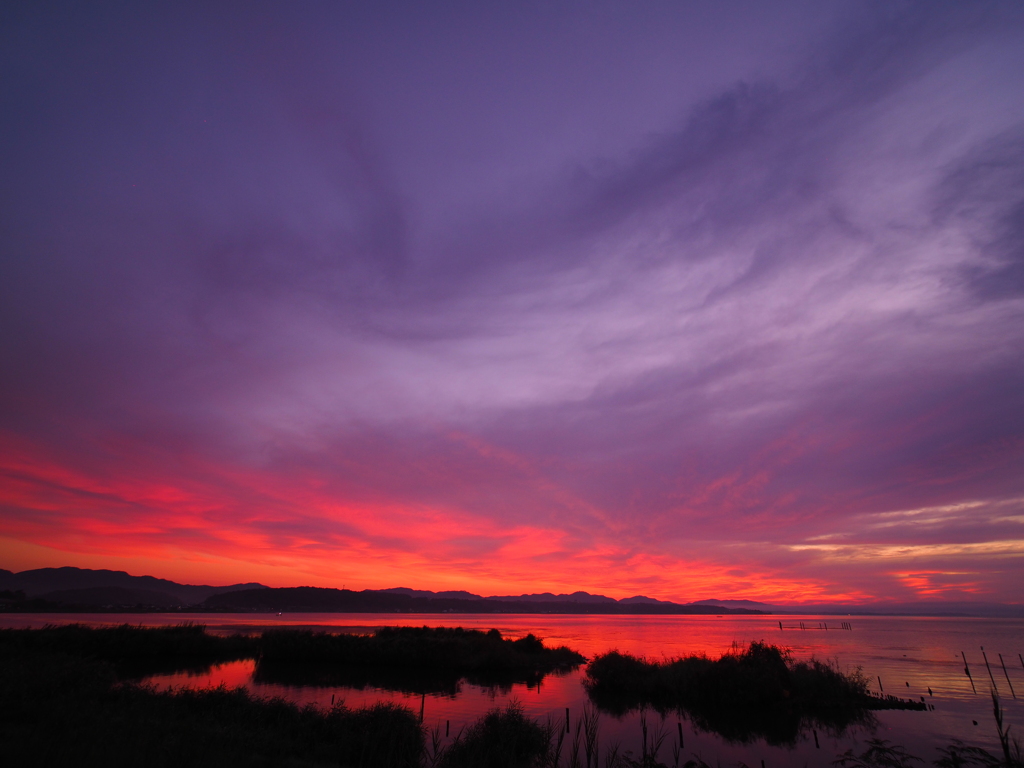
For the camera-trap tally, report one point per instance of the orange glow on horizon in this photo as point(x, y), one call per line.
point(219, 524)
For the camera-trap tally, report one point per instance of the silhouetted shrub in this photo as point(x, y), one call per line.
point(500, 739)
point(420, 647)
point(759, 692)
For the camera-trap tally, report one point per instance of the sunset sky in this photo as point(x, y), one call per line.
point(683, 299)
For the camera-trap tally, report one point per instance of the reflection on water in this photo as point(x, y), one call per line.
point(776, 726)
point(902, 656)
point(440, 682)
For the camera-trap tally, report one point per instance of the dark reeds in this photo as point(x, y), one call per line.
point(421, 660)
point(757, 693)
point(500, 739)
point(135, 651)
point(60, 710)
point(879, 753)
point(412, 659)
point(469, 650)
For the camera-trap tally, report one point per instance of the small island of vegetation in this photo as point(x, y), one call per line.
point(760, 692)
point(413, 659)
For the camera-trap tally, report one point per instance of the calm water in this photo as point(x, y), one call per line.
point(908, 654)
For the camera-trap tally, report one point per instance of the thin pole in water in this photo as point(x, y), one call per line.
point(567, 720)
point(880, 688)
point(990, 675)
point(967, 671)
point(447, 725)
point(679, 725)
point(1007, 675)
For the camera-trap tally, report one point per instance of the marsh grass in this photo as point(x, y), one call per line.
point(62, 710)
point(65, 700)
point(879, 754)
point(466, 650)
point(58, 709)
point(135, 651)
point(500, 739)
point(410, 659)
point(744, 695)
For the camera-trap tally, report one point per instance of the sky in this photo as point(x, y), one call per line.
point(684, 299)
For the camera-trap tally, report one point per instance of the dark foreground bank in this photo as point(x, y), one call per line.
point(62, 710)
point(66, 701)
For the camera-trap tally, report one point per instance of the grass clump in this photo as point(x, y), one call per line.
point(417, 659)
point(468, 650)
point(500, 739)
point(757, 693)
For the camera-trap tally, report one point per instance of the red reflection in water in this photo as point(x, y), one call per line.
point(235, 674)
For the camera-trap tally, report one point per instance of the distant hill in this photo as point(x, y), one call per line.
point(456, 594)
point(313, 599)
point(114, 597)
point(547, 597)
point(541, 597)
point(643, 599)
point(85, 589)
point(71, 582)
point(737, 604)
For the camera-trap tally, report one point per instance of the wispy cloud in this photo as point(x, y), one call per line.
point(295, 303)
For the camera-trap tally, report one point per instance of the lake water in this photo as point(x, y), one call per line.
point(905, 655)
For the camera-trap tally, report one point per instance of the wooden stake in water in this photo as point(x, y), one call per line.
point(1008, 682)
point(880, 688)
point(423, 704)
point(567, 720)
point(967, 671)
point(447, 725)
point(679, 725)
point(990, 675)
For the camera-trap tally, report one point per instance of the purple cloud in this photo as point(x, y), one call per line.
point(466, 290)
